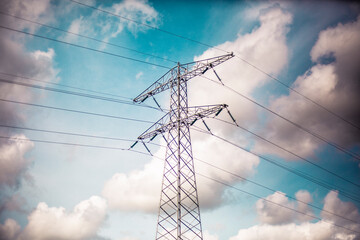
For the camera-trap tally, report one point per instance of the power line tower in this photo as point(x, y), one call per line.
point(179, 212)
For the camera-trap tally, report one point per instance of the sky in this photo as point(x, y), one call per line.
point(292, 165)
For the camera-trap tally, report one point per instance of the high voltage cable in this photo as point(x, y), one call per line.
point(132, 140)
point(138, 120)
point(212, 46)
point(144, 24)
point(285, 206)
point(350, 153)
point(220, 182)
point(275, 203)
point(67, 133)
point(70, 144)
point(124, 149)
point(121, 139)
point(275, 191)
point(296, 172)
point(73, 134)
point(292, 153)
point(299, 93)
point(64, 85)
point(87, 37)
point(84, 47)
point(318, 136)
point(76, 111)
point(278, 146)
point(76, 93)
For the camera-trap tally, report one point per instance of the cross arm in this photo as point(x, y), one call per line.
point(195, 113)
point(187, 71)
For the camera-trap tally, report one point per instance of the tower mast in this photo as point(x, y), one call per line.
point(179, 210)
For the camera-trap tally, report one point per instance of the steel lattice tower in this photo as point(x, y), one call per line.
point(179, 210)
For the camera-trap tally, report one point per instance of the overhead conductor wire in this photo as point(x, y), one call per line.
point(214, 47)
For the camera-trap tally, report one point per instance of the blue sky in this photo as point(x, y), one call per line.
point(51, 191)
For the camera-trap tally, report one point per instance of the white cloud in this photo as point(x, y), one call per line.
point(98, 25)
point(333, 204)
point(334, 85)
point(138, 10)
point(9, 230)
point(128, 238)
point(139, 75)
point(308, 231)
point(209, 236)
point(42, 12)
point(13, 164)
point(16, 60)
point(56, 223)
point(137, 191)
point(274, 214)
point(321, 230)
point(264, 46)
point(225, 156)
point(140, 190)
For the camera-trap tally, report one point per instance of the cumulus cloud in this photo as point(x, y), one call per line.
point(333, 204)
point(98, 25)
point(9, 230)
point(17, 60)
point(136, 191)
point(16, 202)
point(13, 165)
point(136, 9)
point(56, 223)
point(289, 231)
point(265, 45)
point(321, 230)
point(42, 12)
point(209, 236)
point(222, 155)
point(140, 190)
point(274, 214)
point(333, 85)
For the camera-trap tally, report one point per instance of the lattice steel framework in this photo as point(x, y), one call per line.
point(179, 210)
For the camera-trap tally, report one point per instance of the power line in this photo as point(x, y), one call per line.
point(296, 172)
point(295, 210)
point(86, 135)
point(64, 85)
point(212, 46)
point(273, 144)
point(76, 111)
point(76, 93)
point(272, 202)
point(83, 47)
point(292, 153)
point(139, 120)
point(70, 144)
point(318, 136)
point(87, 37)
point(146, 25)
point(299, 93)
point(350, 153)
point(275, 191)
point(132, 140)
point(124, 149)
point(117, 117)
point(66, 133)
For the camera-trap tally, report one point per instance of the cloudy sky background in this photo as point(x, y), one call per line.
point(57, 191)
